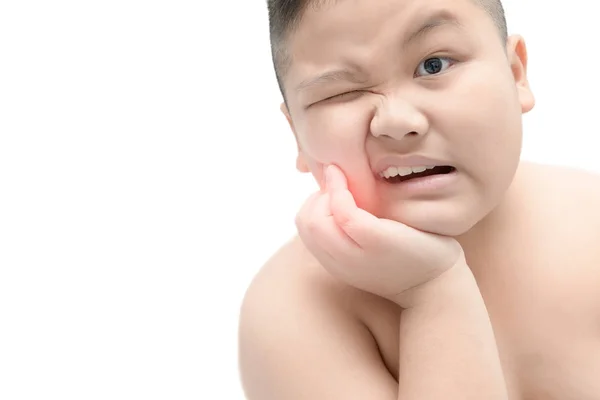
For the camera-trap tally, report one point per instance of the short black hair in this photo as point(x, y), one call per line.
point(285, 16)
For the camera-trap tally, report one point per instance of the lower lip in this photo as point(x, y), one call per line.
point(425, 185)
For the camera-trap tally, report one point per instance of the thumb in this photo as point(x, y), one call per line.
point(335, 178)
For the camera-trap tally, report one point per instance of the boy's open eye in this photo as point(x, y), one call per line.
point(433, 66)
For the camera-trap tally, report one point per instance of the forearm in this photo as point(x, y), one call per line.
point(447, 345)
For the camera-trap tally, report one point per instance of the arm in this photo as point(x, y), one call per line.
point(298, 342)
point(447, 346)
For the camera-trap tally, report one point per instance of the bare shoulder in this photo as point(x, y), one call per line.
point(570, 195)
point(564, 209)
point(566, 184)
point(292, 274)
point(301, 337)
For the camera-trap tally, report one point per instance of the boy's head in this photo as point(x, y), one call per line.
point(285, 16)
point(367, 84)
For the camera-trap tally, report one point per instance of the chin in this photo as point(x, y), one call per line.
point(446, 219)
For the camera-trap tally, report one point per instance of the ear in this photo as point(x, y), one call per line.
point(517, 56)
point(300, 161)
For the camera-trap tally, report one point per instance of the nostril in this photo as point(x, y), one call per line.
point(396, 136)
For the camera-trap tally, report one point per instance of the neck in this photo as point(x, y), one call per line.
point(490, 232)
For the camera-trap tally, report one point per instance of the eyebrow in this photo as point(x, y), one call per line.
point(438, 19)
point(344, 74)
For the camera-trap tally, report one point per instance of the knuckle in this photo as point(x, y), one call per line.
point(344, 221)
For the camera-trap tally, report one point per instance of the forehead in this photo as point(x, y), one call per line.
point(331, 16)
point(343, 31)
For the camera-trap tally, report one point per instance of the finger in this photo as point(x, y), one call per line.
point(320, 230)
point(304, 224)
point(328, 233)
point(304, 216)
point(365, 229)
point(306, 208)
point(362, 227)
point(335, 178)
point(343, 207)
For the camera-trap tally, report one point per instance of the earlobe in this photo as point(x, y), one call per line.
point(301, 164)
point(517, 53)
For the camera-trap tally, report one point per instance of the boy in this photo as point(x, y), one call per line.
point(432, 264)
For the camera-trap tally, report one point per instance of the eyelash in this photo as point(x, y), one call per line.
point(337, 96)
point(448, 59)
point(356, 92)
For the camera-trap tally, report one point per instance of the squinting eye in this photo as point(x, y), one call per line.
point(353, 94)
point(433, 66)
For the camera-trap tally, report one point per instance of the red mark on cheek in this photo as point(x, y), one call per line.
point(365, 195)
point(357, 190)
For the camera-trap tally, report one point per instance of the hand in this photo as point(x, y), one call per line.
point(381, 256)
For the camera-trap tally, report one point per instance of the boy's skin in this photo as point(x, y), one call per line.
point(500, 300)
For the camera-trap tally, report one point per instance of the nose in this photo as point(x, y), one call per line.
point(398, 118)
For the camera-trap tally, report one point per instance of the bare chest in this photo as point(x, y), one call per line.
point(548, 337)
point(540, 279)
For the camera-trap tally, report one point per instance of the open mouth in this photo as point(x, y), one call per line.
point(398, 175)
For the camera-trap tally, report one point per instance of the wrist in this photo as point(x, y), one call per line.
point(455, 283)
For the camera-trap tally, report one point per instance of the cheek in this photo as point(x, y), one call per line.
point(336, 134)
point(485, 115)
point(485, 122)
point(336, 129)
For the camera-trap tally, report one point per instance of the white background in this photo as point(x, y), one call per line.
point(146, 175)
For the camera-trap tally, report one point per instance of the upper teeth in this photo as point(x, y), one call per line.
point(403, 171)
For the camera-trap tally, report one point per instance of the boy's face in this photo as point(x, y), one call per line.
point(448, 92)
